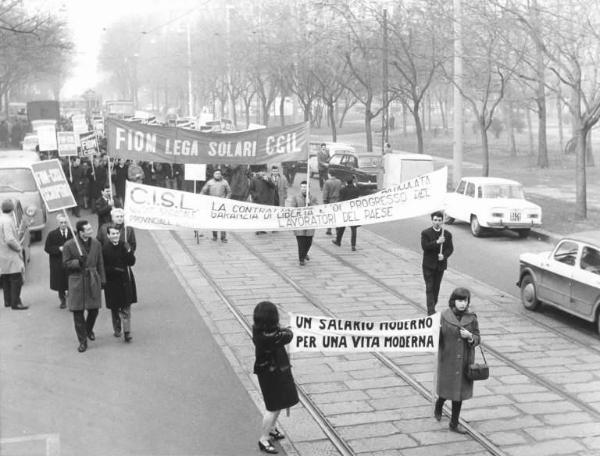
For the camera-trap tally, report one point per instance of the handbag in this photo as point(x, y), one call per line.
point(478, 371)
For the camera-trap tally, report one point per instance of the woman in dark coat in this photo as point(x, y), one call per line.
point(459, 335)
point(272, 366)
point(120, 290)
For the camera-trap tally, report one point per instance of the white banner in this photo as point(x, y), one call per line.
point(324, 334)
point(155, 208)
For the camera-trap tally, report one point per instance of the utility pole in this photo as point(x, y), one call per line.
point(385, 111)
point(458, 100)
point(189, 65)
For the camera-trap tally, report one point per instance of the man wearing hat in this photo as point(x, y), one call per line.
point(11, 258)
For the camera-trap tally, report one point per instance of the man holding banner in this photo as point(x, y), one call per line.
point(217, 186)
point(303, 237)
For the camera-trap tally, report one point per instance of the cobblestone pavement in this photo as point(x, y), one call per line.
point(542, 398)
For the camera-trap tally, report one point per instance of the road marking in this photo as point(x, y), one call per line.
point(52, 442)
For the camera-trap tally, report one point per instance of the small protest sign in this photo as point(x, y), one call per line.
point(53, 185)
point(67, 145)
point(89, 143)
point(47, 137)
point(324, 334)
point(194, 172)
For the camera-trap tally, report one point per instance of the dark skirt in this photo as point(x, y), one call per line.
point(278, 389)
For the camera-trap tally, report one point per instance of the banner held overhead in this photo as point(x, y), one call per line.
point(137, 141)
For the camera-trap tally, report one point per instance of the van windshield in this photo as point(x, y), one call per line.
point(16, 180)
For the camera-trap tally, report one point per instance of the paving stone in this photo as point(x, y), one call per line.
point(325, 398)
point(325, 387)
point(506, 438)
point(367, 364)
point(537, 408)
point(496, 425)
point(350, 419)
point(398, 402)
point(339, 408)
point(554, 419)
point(391, 391)
point(397, 441)
point(548, 448)
point(490, 413)
point(573, 430)
point(319, 447)
point(440, 435)
point(445, 449)
point(360, 431)
point(537, 397)
point(513, 389)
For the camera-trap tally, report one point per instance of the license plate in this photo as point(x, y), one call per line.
point(515, 216)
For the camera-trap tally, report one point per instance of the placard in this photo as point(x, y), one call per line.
point(194, 172)
point(67, 146)
point(47, 137)
point(53, 185)
point(89, 144)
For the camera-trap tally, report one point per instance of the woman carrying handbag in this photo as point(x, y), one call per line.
point(459, 335)
point(272, 366)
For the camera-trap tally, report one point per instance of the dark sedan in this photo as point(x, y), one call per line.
point(366, 168)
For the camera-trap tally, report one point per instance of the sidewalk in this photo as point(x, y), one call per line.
point(529, 405)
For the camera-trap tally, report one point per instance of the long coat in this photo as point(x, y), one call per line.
point(120, 290)
point(11, 259)
point(130, 238)
point(455, 354)
point(262, 191)
point(58, 276)
point(300, 201)
point(431, 249)
point(84, 283)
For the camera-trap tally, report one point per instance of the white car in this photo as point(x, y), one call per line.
point(492, 203)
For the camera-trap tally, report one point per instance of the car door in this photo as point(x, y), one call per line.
point(454, 200)
point(585, 290)
point(336, 166)
point(557, 272)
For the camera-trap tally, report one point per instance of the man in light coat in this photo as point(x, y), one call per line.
point(217, 186)
point(281, 186)
point(303, 237)
point(86, 278)
point(11, 258)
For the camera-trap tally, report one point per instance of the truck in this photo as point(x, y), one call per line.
point(43, 110)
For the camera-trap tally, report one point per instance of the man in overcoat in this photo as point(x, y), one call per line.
point(54, 247)
point(263, 191)
point(331, 192)
point(104, 205)
point(11, 259)
point(86, 277)
point(437, 246)
point(281, 186)
point(120, 290)
point(303, 237)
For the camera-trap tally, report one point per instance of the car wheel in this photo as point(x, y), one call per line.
point(449, 220)
point(523, 233)
point(529, 293)
point(476, 228)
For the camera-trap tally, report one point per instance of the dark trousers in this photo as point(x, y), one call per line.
point(84, 326)
point(304, 243)
point(339, 233)
point(223, 234)
point(456, 405)
point(433, 280)
point(11, 285)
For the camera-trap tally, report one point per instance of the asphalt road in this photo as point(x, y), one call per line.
point(493, 258)
point(171, 391)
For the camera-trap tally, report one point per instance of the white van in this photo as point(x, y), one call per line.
point(402, 166)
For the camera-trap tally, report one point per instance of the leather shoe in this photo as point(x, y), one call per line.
point(267, 448)
point(127, 337)
point(20, 307)
point(307, 258)
point(437, 415)
point(63, 305)
point(459, 428)
point(336, 242)
point(353, 248)
point(91, 335)
point(82, 347)
point(117, 333)
point(302, 262)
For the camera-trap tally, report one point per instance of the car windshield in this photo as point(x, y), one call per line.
point(503, 191)
point(16, 180)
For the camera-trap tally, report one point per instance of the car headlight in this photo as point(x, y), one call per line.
point(30, 211)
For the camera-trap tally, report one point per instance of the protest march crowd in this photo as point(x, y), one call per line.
point(84, 264)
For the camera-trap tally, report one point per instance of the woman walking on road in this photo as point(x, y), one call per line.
point(272, 366)
point(459, 335)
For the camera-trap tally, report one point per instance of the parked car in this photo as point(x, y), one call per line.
point(16, 181)
point(365, 168)
point(292, 167)
point(492, 203)
point(568, 277)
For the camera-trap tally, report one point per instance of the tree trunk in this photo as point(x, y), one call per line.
point(418, 129)
point(589, 154)
point(331, 112)
point(485, 170)
point(404, 120)
point(511, 129)
point(559, 115)
point(369, 133)
point(529, 131)
point(542, 144)
point(247, 112)
point(580, 177)
point(282, 110)
point(443, 114)
point(428, 113)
